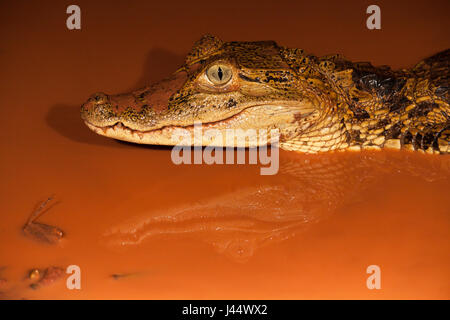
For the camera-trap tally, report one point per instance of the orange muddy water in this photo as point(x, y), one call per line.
point(139, 226)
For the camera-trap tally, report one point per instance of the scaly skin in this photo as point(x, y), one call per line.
point(317, 103)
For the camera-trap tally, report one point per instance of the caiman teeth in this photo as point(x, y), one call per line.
point(121, 126)
point(117, 127)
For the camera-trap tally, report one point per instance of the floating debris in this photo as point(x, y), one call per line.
point(40, 231)
point(45, 277)
point(34, 275)
point(118, 276)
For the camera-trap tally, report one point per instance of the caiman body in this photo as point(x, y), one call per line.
point(316, 104)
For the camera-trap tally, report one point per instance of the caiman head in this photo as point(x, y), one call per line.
point(222, 85)
point(311, 104)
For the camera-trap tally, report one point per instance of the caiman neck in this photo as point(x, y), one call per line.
point(367, 107)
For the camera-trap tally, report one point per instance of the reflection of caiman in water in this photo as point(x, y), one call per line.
point(306, 190)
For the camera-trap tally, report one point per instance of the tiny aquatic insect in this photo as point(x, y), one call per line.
point(40, 231)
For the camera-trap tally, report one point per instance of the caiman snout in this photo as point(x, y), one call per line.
point(142, 109)
point(98, 110)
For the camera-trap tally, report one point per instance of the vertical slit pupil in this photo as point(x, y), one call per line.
point(220, 73)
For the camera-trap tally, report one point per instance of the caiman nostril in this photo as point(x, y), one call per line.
point(99, 98)
point(96, 108)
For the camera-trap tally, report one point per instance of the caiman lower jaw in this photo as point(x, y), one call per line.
point(162, 136)
point(265, 117)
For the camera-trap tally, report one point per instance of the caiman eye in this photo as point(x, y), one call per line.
point(219, 74)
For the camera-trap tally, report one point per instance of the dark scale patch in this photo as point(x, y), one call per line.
point(231, 103)
point(389, 89)
point(429, 139)
point(380, 124)
point(417, 141)
point(360, 113)
point(394, 132)
point(348, 136)
point(441, 91)
point(244, 77)
point(421, 110)
point(445, 133)
point(354, 137)
point(276, 76)
point(360, 78)
point(435, 144)
point(438, 57)
point(386, 87)
point(399, 104)
point(380, 80)
point(369, 82)
point(406, 138)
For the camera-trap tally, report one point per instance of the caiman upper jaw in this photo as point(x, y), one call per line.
point(141, 110)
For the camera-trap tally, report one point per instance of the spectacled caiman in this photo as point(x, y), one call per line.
point(317, 103)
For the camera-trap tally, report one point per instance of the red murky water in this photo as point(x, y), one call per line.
point(199, 231)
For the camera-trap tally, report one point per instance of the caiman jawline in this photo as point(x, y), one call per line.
point(163, 135)
point(119, 125)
